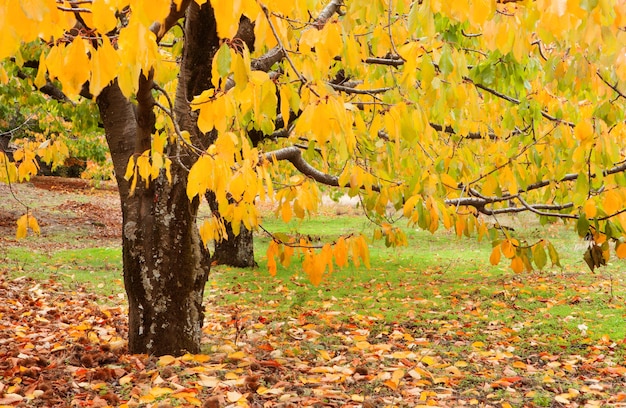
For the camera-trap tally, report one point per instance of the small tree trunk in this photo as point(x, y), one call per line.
point(237, 250)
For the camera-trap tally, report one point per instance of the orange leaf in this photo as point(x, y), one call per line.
point(517, 264)
point(508, 248)
point(494, 259)
point(620, 250)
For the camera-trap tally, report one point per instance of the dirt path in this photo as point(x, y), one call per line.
point(74, 213)
point(71, 213)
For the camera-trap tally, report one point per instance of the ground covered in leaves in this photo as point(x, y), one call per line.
point(433, 337)
point(60, 348)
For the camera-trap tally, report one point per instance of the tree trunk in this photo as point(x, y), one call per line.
point(165, 264)
point(237, 250)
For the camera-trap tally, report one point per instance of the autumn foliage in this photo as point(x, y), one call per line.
point(449, 113)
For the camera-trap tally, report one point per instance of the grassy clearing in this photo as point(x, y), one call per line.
point(441, 275)
point(470, 324)
point(436, 274)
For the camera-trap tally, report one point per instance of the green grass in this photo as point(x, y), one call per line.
point(99, 269)
point(440, 278)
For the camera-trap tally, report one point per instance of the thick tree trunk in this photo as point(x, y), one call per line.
point(165, 265)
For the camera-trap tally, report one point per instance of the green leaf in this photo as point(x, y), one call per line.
point(608, 230)
point(446, 65)
point(582, 226)
point(223, 60)
point(554, 256)
point(539, 256)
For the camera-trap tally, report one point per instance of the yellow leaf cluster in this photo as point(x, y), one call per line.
point(8, 170)
point(24, 223)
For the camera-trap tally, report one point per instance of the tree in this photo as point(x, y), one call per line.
point(438, 113)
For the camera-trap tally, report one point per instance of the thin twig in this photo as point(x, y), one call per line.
point(282, 47)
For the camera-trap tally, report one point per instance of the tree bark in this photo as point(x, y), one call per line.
point(164, 262)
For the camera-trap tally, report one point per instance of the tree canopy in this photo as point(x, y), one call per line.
point(435, 113)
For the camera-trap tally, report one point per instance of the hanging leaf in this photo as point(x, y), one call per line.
point(494, 258)
point(539, 255)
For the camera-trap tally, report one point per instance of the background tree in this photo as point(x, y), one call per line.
point(440, 113)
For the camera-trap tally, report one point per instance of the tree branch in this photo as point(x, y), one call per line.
point(160, 29)
point(479, 202)
point(352, 90)
point(516, 101)
point(265, 62)
point(294, 155)
point(613, 87)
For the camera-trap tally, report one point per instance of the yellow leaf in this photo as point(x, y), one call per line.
point(156, 10)
point(130, 168)
point(460, 224)
point(284, 104)
point(241, 71)
point(517, 264)
point(271, 265)
point(285, 211)
point(397, 376)
point(227, 15)
point(104, 19)
point(144, 168)
point(40, 79)
point(584, 130)
point(519, 364)
point(448, 181)
point(428, 360)
point(238, 355)
point(166, 360)
point(314, 267)
point(508, 248)
point(160, 391)
point(611, 202)
point(324, 354)
point(72, 73)
point(364, 253)
point(199, 176)
point(104, 64)
point(340, 252)
point(22, 227)
point(33, 225)
point(26, 169)
point(590, 208)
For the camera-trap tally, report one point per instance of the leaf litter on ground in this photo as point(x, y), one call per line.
point(62, 348)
